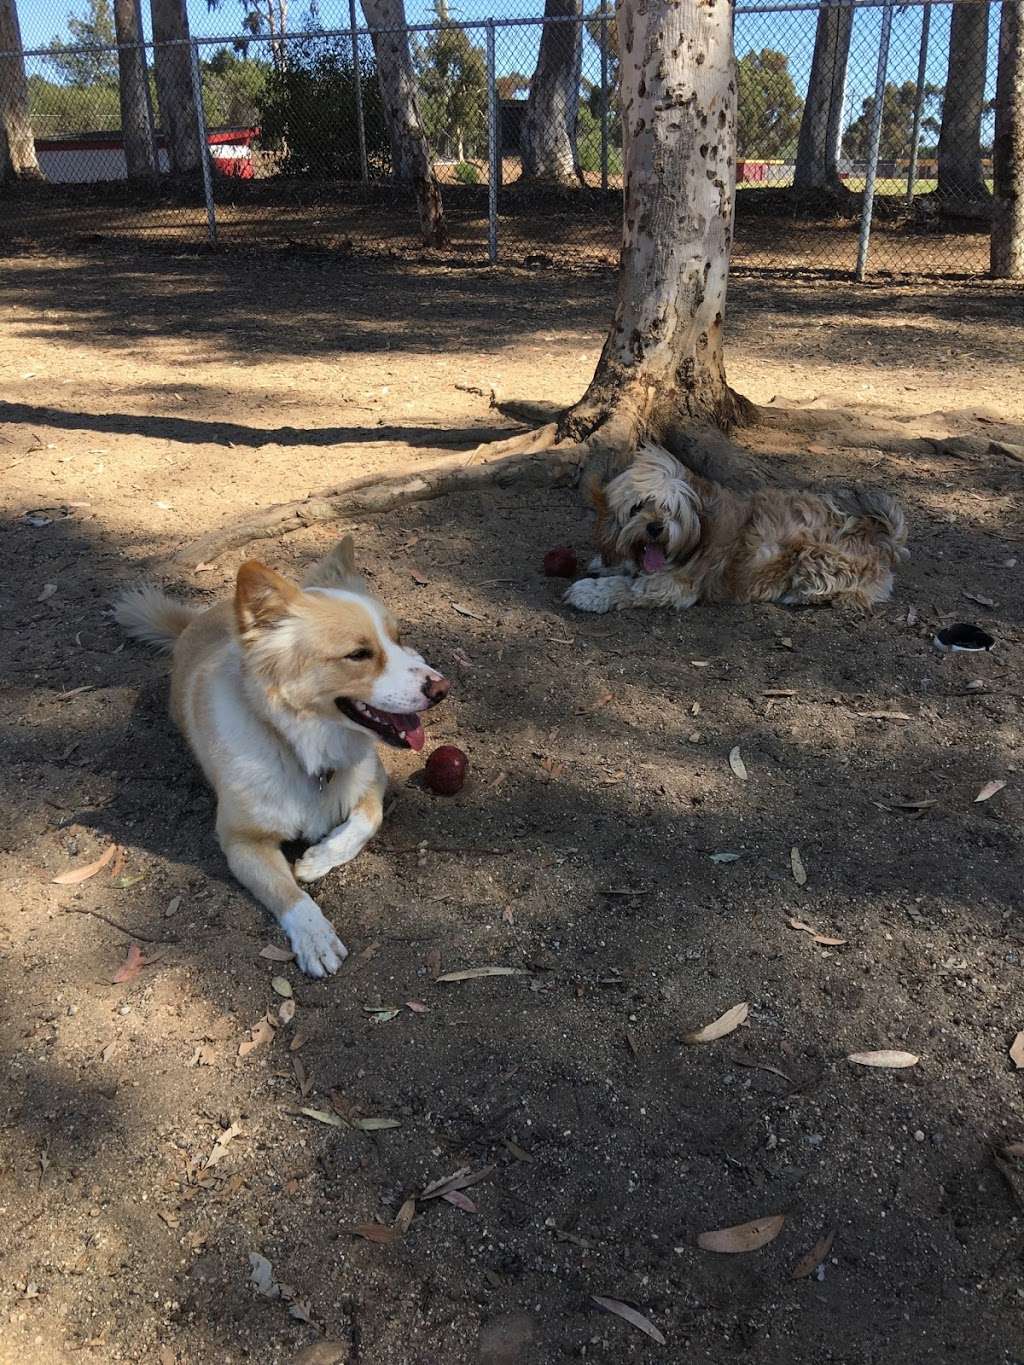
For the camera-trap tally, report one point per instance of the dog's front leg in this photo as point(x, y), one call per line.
point(349, 838)
point(262, 868)
point(600, 594)
point(663, 590)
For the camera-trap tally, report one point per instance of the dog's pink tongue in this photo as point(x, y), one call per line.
point(416, 738)
point(654, 558)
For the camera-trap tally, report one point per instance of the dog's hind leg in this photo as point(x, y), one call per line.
point(262, 868)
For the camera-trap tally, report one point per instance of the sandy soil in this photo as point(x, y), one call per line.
point(146, 399)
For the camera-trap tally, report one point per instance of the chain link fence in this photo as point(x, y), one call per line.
point(864, 137)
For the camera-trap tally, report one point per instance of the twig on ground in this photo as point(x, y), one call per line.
point(132, 933)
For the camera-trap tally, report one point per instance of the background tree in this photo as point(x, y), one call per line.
point(817, 154)
point(17, 145)
point(961, 175)
point(768, 117)
point(453, 89)
point(71, 57)
point(138, 127)
point(1008, 149)
point(548, 139)
point(898, 103)
point(410, 154)
point(178, 112)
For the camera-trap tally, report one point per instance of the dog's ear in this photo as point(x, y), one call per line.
point(262, 598)
point(337, 569)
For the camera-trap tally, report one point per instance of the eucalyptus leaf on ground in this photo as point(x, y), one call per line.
point(275, 954)
point(375, 1125)
point(725, 1023)
point(989, 790)
point(737, 765)
point(743, 1236)
point(282, 986)
point(631, 1315)
point(375, 1232)
point(818, 938)
point(884, 1057)
point(1017, 1051)
point(797, 864)
point(725, 857)
point(476, 973)
point(82, 874)
point(324, 1116)
point(809, 1262)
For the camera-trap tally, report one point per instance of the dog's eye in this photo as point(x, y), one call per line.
point(636, 509)
point(359, 656)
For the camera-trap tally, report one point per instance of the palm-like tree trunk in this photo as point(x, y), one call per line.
point(137, 128)
point(17, 145)
point(961, 176)
point(548, 139)
point(174, 86)
point(410, 154)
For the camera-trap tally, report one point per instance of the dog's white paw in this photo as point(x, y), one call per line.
point(596, 594)
point(318, 949)
point(340, 846)
point(315, 863)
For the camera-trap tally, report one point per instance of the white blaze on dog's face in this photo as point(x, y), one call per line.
point(655, 508)
point(334, 653)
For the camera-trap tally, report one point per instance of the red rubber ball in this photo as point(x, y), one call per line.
point(445, 770)
point(560, 562)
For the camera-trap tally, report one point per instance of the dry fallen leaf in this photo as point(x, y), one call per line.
point(108, 1052)
point(725, 857)
point(475, 973)
point(553, 768)
point(1015, 1150)
point(883, 715)
point(737, 765)
point(744, 1236)
point(324, 1116)
point(884, 1057)
point(631, 1315)
point(82, 874)
point(809, 1262)
point(131, 966)
point(461, 1201)
point(1017, 1051)
point(724, 1024)
point(282, 986)
point(298, 1041)
point(403, 1220)
point(274, 954)
point(375, 1232)
point(417, 1007)
point(375, 1125)
point(463, 1178)
point(261, 1032)
point(220, 1147)
point(818, 938)
point(465, 611)
point(797, 864)
point(989, 790)
point(978, 597)
point(48, 590)
point(261, 1276)
point(286, 1011)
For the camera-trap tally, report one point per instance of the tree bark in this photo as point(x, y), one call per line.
point(662, 360)
point(1008, 149)
point(821, 127)
point(548, 136)
point(137, 128)
point(410, 154)
point(17, 145)
point(961, 176)
point(174, 86)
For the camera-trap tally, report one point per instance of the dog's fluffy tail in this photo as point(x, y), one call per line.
point(149, 614)
point(886, 522)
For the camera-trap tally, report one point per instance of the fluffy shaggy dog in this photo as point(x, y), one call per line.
point(283, 695)
point(669, 538)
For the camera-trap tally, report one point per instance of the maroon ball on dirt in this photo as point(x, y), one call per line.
point(445, 770)
point(560, 562)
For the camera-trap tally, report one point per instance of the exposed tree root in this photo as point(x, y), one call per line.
point(380, 495)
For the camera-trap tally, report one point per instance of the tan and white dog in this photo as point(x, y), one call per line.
point(282, 696)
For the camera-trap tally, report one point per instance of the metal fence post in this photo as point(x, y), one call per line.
point(357, 82)
point(915, 135)
point(493, 149)
point(604, 93)
point(868, 203)
point(204, 146)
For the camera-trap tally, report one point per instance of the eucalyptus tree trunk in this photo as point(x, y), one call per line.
point(662, 360)
point(961, 176)
point(1008, 149)
point(410, 154)
point(17, 145)
point(174, 86)
point(821, 127)
point(137, 127)
point(548, 138)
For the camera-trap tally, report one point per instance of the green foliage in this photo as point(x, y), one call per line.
point(452, 76)
point(467, 174)
point(60, 110)
point(307, 111)
point(768, 117)
point(78, 66)
point(233, 89)
point(897, 122)
point(588, 143)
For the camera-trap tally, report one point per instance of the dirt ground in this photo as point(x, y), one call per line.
point(147, 1150)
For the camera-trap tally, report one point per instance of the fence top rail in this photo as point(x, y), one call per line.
point(316, 35)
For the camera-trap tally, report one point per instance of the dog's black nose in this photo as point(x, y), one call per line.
point(436, 689)
point(654, 529)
